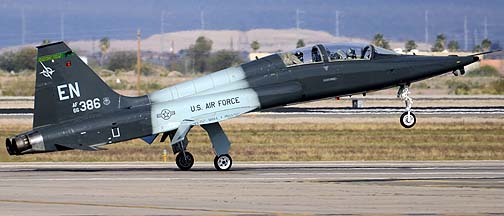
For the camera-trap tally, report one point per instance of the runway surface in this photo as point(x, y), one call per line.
point(496, 110)
point(336, 111)
point(453, 187)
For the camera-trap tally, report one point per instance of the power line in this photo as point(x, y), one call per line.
point(466, 36)
point(426, 26)
point(337, 32)
point(139, 60)
point(23, 26)
point(485, 25)
point(298, 20)
point(162, 30)
point(476, 37)
point(62, 26)
point(202, 20)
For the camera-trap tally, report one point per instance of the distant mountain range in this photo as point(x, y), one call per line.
point(271, 40)
point(398, 20)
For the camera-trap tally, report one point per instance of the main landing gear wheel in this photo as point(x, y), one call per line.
point(223, 162)
point(408, 119)
point(184, 160)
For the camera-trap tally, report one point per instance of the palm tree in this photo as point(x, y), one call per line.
point(45, 42)
point(439, 46)
point(300, 43)
point(486, 45)
point(453, 46)
point(104, 47)
point(410, 45)
point(255, 45)
point(380, 41)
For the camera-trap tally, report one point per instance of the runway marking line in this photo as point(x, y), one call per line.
point(342, 180)
point(134, 206)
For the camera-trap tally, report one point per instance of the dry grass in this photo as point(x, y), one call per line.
point(295, 142)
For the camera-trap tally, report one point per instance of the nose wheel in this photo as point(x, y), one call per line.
point(223, 162)
point(408, 119)
point(184, 160)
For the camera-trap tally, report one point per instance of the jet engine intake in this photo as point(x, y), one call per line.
point(24, 143)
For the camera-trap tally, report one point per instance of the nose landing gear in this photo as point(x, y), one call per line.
point(184, 160)
point(407, 119)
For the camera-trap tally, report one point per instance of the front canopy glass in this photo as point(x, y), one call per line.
point(333, 52)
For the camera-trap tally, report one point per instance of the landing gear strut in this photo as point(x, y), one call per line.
point(221, 145)
point(407, 119)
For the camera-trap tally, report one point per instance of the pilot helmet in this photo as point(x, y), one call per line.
point(299, 54)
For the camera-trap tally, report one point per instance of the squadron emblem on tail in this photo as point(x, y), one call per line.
point(47, 72)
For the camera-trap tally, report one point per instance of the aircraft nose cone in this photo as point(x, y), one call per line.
point(466, 60)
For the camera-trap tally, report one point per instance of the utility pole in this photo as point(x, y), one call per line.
point(202, 20)
point(476, 37)
point(23, 26)
point(62, 26)
point(297, 19)
point(162, 31)
point(485, 25)
point(426, 26)
point(139, 61)
point(337, 32)
point(93, 47)
point(466, 36)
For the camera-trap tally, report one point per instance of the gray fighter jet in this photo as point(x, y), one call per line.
point(75, 109)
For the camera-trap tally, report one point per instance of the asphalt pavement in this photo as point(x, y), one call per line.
point(136, 188)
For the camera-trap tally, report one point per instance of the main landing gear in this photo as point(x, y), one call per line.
point(407, 119)
point(220, 144)
point(223, 162)
point(185, 161)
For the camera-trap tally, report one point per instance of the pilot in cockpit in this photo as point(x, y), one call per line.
point(299, 55)
point(351, 54)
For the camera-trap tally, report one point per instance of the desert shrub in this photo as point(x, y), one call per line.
point(20, 86)
point(497, 87)
point(148, 87)
point(486, 70)
point(23, 59)
point(223, 59)
point(122, 60)
point(122, 85)
point(461, 87)
point(422, 85)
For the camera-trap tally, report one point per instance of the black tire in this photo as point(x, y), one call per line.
point(404, 120)
point(223, 162)
point(184, 163)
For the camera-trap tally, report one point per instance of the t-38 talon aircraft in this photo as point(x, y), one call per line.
point(75, 109)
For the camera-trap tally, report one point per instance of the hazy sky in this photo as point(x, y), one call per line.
point(397, 19)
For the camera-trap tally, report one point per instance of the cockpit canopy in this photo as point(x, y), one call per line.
point(333, 52)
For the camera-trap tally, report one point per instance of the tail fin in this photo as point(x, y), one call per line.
point(66, 88)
